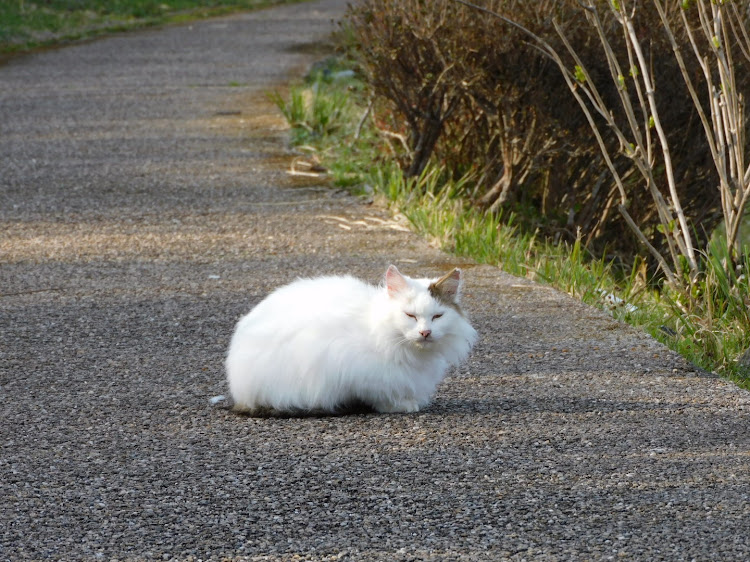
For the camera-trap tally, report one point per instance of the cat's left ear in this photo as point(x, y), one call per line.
point(394, 281)
point(448, 286)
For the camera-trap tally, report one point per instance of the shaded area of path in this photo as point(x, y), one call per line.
point(141, 215)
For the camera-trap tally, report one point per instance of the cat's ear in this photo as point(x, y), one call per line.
point(448, 287)
point(394, 281)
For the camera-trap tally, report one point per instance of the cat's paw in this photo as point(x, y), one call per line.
point(405, 406)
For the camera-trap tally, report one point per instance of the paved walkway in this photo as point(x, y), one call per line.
point(144, 207)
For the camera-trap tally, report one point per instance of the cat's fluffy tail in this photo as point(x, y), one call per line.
point(221, 401)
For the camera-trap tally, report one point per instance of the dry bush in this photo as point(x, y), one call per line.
point(413, 65)
point(474, 93)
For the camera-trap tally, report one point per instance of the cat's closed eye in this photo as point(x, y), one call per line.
point(437, 316)
point(410, 315)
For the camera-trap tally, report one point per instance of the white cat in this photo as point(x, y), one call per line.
point(322, 344)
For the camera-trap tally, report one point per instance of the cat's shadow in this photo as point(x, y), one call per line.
point(449, 407)
point(351, 409)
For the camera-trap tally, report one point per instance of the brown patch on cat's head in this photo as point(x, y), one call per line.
point(447, 290)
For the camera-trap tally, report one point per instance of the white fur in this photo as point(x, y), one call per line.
point(318, 344)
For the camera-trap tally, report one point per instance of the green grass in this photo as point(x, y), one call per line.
point(26, 24)
point(709, 325)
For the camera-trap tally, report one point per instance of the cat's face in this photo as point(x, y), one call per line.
point(425, 311)
point(423, 320)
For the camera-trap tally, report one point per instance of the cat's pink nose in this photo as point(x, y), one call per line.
point(425, 333)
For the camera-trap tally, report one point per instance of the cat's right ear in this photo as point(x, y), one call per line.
point(394, 281)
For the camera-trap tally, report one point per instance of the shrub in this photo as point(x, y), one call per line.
point(475, 94)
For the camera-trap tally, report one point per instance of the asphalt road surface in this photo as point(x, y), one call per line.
point(145, 206)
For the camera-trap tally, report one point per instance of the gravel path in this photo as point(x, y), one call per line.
point(144, 207)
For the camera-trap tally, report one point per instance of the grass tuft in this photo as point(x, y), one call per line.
point(29, 24)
